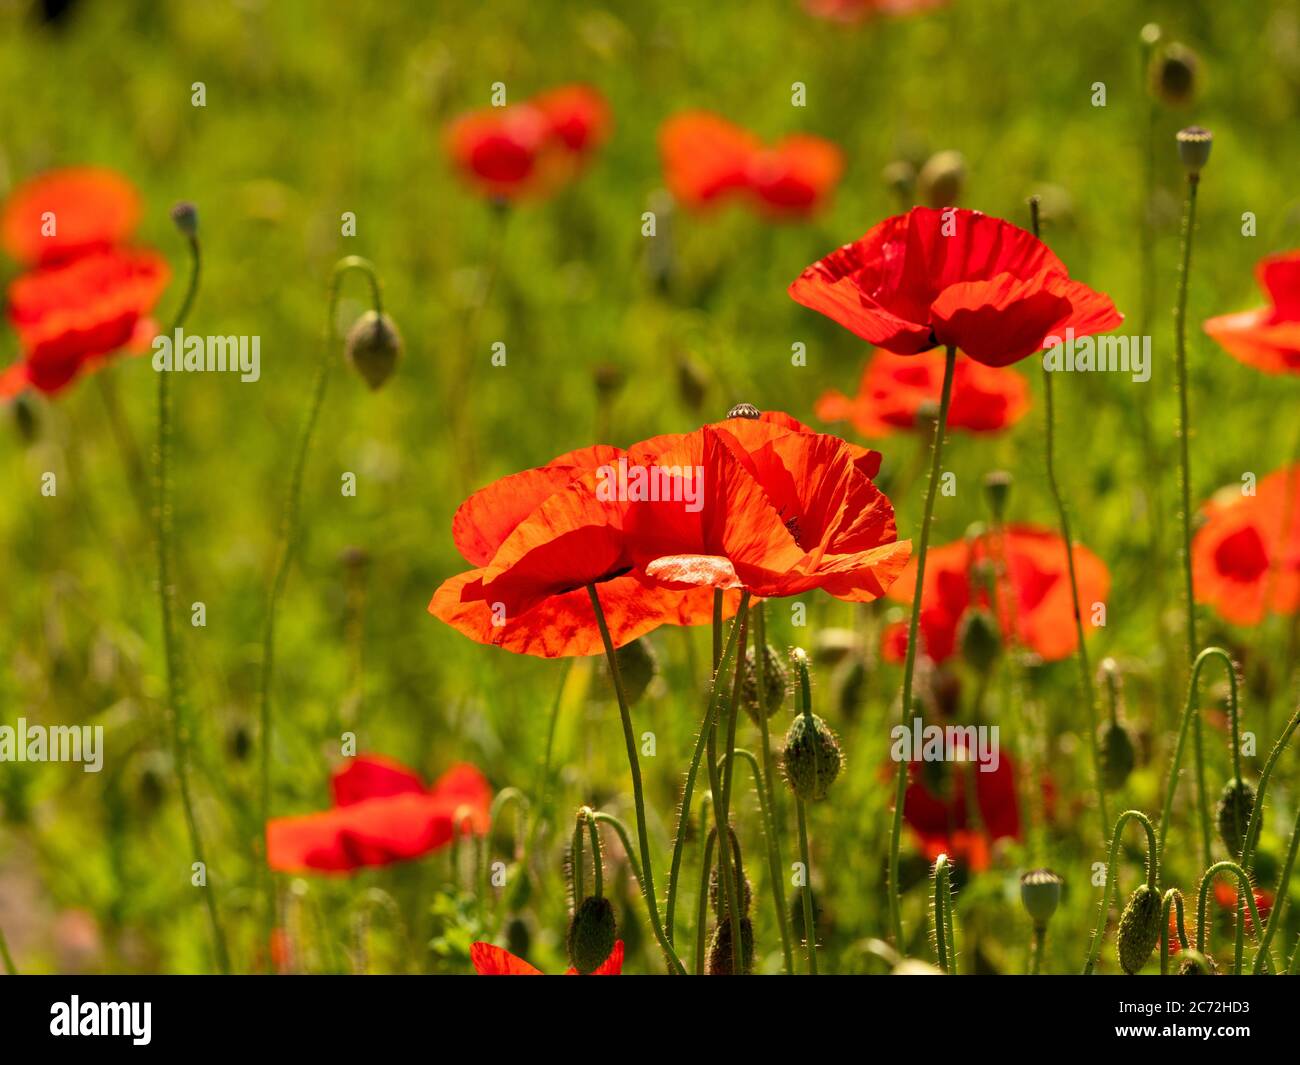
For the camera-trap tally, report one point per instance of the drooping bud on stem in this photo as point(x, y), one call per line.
point(372, 347)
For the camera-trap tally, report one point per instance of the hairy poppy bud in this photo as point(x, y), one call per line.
point(637, 667)
point(997, 487)
point(1195, 963)
point(592, 933)
point(980, 640)
point(718, 897)
point(745, 410)
point(720, 961)
point(1118, 755)
point(1040, 891)
point(812, 757)
point(373, 347)
point(1173, 74)
point(775, 680)
point(1139, 929)
point(942, 179)
point(186, 217)
point(1236, 804)
point(1194, 145)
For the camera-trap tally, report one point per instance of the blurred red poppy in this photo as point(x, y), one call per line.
point(1267, 338)
point(708, 159)
point(382, 814)
point(895, 388)
point(527, 149)
point(65, 213)
point(1225, 894)
point(72, 315)
point(950, 276)
point(857, 10)
point(1036, 569)
point(1245, 558)
point(494, 961)
point(939, 817)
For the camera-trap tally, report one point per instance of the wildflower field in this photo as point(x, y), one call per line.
point(806, 486)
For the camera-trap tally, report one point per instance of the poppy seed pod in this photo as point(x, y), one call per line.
point(718, 897)
point(1194, 145)
point(1195, 963)
point(775, 680)
point(1232, 815)
point(1040, 891)
point(745, 410)
point(811, 758)
point(592, 933)
point(981, 640)
point(942, 179)
point(637, 667)
point(1174, 74)
point(186, 217)
point(720, 960)
point(1118, 755)
point(997, 489)
point(1139, 929)
point(373, 347)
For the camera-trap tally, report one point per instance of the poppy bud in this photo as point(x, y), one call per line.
point(1040, 891)
point(981, 640)
point(1173, 74)
point(518, 938)
point(942, 179)
point(718, 897)
point(592, 933)
point(1194, 144)
point(775, 681)
point(720, 961)
point(812, 757)
point(239, 741)
point(1236, 804)
point(186, 217)
point(997, 488)
point(851, 690)
point(1195, 963)
point(1118, 755)
point(1139, 929)
point(608, 379)
point(637, 667)
point(373, 346)
point(25, 419)
point(900, 177)
point(745, 410)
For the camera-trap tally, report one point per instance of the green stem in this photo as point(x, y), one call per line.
point(1283, 886)
point(722, 797)
point(1040, 939)
point(638, 795)
point(1256, 815)
point(1243, 888)
point(702, 903)
point(909, 661)
point(769, 775)
point(943, 944)
point(1173, 897)
point(543, 811)
point(1107, 890)
point(810, 929)
point(10, 968)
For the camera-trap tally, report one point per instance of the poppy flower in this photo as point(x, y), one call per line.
point(850, 11)
point(1036, 567)
point(1244, 564)
point(708, 159)
point(940, 820)
point(895, 388)
point(1225, 894)
point(65, 213)
point(382, 813)
point(577, 116)
point(1267, 338)
point(939, 277)
point(494, 961)
point(71, 315)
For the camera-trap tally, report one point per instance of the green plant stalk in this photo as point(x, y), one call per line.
point(909, 660)
point(722, 788)
point(638, 793)
point(503, 798)
point(1173, 897)
point(1244, 887)
point(943, 944)
point(702, 903)
point(543, 809)
point(1036, 959)
point(1108, 889)
point(177, 691)
point(289, 536)
point(772, 810)
point(10, 968)
point(1283, 886)
point(804, 706)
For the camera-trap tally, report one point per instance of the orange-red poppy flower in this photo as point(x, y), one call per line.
point(528, 148)
point(708, 159)
point(72, 315)
point(1036, 571)
point(494, 961)
point(65, 213)
point(1267, 338)
point(953, 277)
point(1225, 894)
point(850, 11)
point(939, 817)
point(896, 388)
point(382, 813)
point(1246, 557)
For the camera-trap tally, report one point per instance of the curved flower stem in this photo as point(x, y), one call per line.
point(1108, 889)
point(500, 802)
point(810, 929)
point(702, 903)
point(701, 742)
point(771, 812)
point(638, 794)
point(1283, 885)
point(1173, 897)
point(586, 822)
point(289, 528)
point(1189, 710)
point(1063, 519)
point(177, 692)
point(944, 945)
point(909, 661)
point(1244, 887)
point(1256, 815)
point(720, 775)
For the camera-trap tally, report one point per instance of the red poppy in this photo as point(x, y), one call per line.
point(953, 277)
point(850, 11)
point(1036, 569)
point(1267, 338)
point(1243, 563)
point(895, 388)
point(494, 961)
point(528, 148)
point(65, 213)
point(940, 820)
point(706, 159)
point(1225, 894)
point(382, 814)
point(71, 315)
